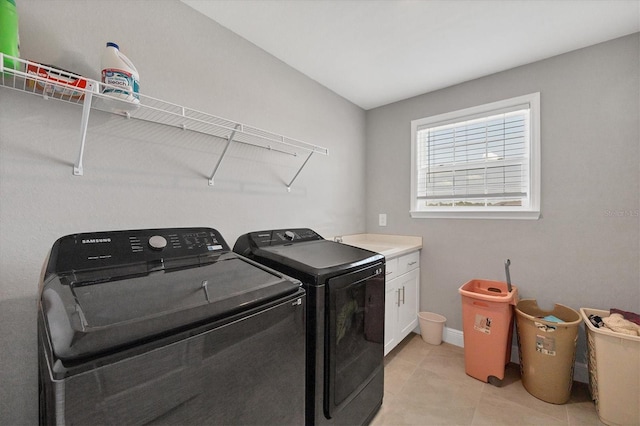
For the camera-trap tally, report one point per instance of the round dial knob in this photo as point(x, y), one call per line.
point(289, 235)
point(157, 242)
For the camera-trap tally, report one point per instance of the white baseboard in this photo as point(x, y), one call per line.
point(453, 336)
point(456, 337)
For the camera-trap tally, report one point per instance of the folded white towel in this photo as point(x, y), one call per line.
point(617, 323)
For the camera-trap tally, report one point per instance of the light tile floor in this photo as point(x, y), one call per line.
point(427, 385)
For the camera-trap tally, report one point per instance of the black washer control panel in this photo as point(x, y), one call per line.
point(283, 236)
point(108, 249)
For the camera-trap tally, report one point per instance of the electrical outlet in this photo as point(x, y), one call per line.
point(382, 219)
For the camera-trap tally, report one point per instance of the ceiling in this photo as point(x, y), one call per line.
point(374, 52)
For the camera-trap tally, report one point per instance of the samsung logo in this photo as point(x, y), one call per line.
point(96, 240)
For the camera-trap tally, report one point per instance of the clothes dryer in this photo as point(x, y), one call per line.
point(345, 319)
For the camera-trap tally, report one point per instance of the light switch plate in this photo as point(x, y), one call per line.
point(382, 219)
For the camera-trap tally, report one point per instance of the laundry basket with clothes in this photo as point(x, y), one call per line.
point(613, 342)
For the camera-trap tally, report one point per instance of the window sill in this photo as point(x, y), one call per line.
point(449, 214)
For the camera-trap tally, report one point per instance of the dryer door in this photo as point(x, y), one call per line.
point(355, 333)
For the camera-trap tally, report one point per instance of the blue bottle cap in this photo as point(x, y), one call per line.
point(112, 44)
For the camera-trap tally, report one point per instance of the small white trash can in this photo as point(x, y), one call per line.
point(431, 327)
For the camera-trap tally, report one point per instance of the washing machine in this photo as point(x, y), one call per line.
point(167, 326)
point(345, 319)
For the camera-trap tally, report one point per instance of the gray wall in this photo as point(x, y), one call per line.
point(140, 176)
point(583, 252)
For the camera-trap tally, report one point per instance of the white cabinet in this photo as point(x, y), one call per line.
point(402, 298)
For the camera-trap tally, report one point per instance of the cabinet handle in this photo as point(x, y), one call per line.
point(403, 295)
point(398, 293)
point(388, 273)
point(412, 263)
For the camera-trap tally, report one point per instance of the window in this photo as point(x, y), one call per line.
point(480, 162)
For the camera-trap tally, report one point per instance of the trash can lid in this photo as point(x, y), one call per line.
point(490, 291)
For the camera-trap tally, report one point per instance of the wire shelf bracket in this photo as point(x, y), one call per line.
point(86, 110)
point(298, 172)
point(224, 152)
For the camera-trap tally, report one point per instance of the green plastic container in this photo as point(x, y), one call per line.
point(9, 40)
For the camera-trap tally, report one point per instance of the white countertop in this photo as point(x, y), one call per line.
point(388, 245)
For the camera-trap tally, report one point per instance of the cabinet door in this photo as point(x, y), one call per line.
point(409, 288)
point(390, 316)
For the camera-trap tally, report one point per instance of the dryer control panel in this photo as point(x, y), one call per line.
point(153, 247)
point(282, 236)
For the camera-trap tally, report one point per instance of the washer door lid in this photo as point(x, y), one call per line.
point(91, 318)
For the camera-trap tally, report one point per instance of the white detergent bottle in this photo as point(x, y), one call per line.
point(117, 70)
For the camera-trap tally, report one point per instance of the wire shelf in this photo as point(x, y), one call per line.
point(52, 83)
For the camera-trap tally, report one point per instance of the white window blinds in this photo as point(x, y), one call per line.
point(477, 161)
